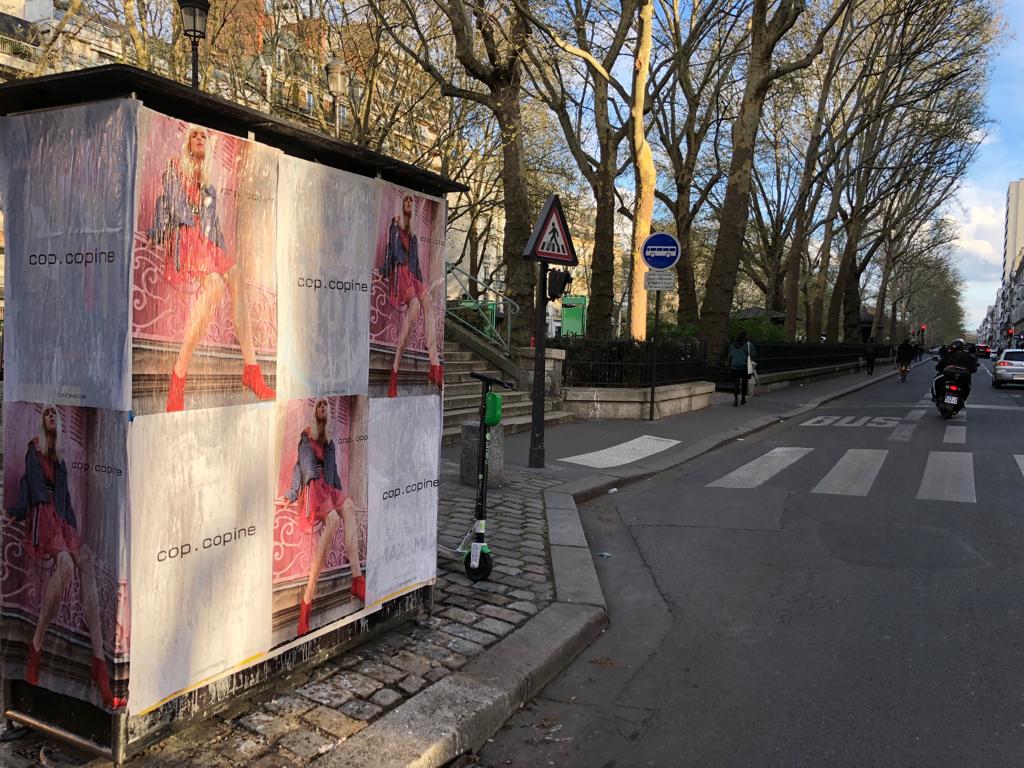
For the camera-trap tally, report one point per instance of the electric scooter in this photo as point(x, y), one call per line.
point(477, 554)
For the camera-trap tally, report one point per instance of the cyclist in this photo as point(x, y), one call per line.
point(904, 354)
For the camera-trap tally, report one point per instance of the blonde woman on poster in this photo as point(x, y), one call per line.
point(401, 269)
point(53, 541)
point(317, 487)
point(188, 224)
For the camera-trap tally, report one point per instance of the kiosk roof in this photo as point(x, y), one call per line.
point(180, 101)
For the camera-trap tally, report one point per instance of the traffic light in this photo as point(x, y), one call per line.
point(1009, 332)
point(558, 283)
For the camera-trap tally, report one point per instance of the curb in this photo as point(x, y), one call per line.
point(461, 712)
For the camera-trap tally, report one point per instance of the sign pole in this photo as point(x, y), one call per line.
point(654, 349)
point(537, 412)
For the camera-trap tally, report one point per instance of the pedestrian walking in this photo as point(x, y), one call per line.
point(741, 367)
point(870, 353)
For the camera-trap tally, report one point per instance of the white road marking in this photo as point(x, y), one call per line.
point(948, 477)
point(624, 453)
point(915, 415)
point(903, 432)
point(979, 407)
point(759, 470)
point(955, 434)
point(1020, 462)
point(853, 474)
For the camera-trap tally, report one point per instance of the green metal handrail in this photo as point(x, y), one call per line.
point(485, 310)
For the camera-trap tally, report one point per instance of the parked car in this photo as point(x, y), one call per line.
point(993, 355)
point(984, 350)
point(1009, 368)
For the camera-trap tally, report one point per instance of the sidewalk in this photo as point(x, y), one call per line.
point(438, 687)
point(696, 432)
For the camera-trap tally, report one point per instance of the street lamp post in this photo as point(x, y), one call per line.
point(193, 23)
point(336, 85)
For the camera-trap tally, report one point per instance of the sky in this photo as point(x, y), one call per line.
point(982, 210)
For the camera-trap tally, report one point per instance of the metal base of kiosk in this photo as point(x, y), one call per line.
point(117, 737)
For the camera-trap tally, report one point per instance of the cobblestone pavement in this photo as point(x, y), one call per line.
point(303, 722)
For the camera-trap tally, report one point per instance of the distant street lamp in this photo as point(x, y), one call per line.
point(336, 85)
point(193, 22)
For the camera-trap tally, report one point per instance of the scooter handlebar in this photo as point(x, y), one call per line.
point(491, 380)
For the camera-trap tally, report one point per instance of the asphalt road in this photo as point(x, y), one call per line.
point(840, 590)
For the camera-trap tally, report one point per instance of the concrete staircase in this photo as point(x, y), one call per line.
point(462, 397)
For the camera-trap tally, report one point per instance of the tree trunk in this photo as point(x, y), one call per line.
point(878, 324)
point(520, 275)
point(602, 275)
point(851, 308)
point(687, 312)
point(793, 261)
point(721, 282)
point(646, 174)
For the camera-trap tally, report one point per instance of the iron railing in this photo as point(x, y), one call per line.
point(627, 363)
point(776, 357)
point(489, 316)
point(19, 49)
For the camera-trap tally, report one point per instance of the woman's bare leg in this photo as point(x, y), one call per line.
point(240, 309)
point(198, 321)
point(320, 556)
point(428, 330)
point(90, 600)
point(51, 598)
point(350, 531)
point(411, 311)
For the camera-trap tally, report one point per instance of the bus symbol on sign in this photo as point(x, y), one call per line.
point(660, 251)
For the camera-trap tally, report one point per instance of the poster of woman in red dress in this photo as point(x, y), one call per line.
point(61, 601)
point(204, 293)
point(320, 515)
point(408, 292)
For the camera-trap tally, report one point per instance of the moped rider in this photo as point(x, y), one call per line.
point(957, 357)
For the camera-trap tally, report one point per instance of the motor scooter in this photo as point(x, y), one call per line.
point(951, 389)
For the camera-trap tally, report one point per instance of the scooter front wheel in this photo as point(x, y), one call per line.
point(483, 569)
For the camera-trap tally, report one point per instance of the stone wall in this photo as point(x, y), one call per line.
point(634, 403)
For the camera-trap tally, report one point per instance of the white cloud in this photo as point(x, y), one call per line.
point(978, 296)
point(981, 219)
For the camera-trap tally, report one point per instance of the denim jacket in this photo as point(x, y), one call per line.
point(174, 210)
point(32, 490)
point(307, 467)
point(396, 253)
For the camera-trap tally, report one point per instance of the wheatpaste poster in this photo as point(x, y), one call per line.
point(204, 290)
point(325, 273)
point(404, 455)
point(200, 546)
point(67, 215)
point(63, 585)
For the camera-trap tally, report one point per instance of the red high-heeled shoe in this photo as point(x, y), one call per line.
point(304, 610)
point(32, 664)
point(436, 376)
point(359, 588)
point(252, 378)
point(393, 384)
point(102, 680)
point(176, 393)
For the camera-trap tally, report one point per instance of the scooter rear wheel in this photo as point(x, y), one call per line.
point(483, 569)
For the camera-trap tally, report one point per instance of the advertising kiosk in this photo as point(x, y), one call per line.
point(222, 401)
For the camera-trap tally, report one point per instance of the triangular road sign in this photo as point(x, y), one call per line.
point(551, 241)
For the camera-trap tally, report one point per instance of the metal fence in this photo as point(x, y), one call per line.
point(775, 357)
point(627, 363)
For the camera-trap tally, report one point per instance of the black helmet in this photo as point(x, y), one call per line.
point(957, 345)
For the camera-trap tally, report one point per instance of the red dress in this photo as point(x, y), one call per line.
point(406, 286)
point(318, 498)
point(198, 255)
point(48, 534)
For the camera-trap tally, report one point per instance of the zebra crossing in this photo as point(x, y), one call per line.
point(947, 476)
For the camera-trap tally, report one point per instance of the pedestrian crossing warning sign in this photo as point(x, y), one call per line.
point(550, 241)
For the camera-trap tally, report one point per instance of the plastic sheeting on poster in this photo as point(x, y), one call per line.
point(234, 517)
